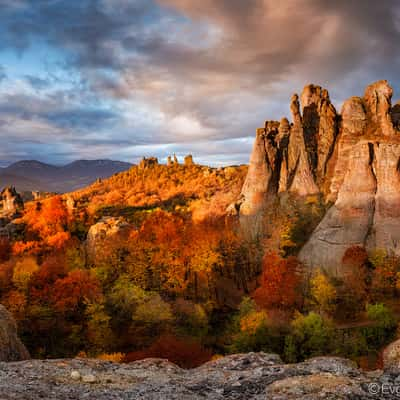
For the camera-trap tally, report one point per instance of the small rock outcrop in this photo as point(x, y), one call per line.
point(391, 356)
point(148, 162)
point(11, 347)
point(188, 160)
point(253, 376)
point(10, 202)
point(107, 227)
point(351, 159)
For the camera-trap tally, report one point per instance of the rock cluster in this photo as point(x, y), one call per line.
point(253, 376)
point(352, 159)
point(148, 162)
point(173, 160)
point(291, 157)
point(11, 348)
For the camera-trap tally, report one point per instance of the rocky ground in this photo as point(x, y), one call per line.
point(244, 376)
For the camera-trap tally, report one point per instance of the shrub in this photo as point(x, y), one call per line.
point(185, 352)
point(383, 328)
point(253, 330)
point(311, 335)
point(114, 357)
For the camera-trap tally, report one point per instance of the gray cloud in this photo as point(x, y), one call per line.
point(187, 73)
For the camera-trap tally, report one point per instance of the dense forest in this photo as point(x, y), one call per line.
point(177, 277)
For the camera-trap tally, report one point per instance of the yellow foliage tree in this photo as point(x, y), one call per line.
point(323, 293)
point(251, 322)
point(23, 271)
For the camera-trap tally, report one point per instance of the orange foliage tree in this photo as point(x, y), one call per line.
point(76, 289)
point(280, 284)
point(47, 224)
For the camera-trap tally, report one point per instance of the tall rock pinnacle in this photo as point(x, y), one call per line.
point(291, 157)
point(351, 159)
point(377, 99)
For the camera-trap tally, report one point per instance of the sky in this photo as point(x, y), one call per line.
point(123, 79)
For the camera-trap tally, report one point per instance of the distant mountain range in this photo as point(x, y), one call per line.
point(32, 175)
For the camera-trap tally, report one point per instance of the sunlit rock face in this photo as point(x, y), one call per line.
point(10, 201)
point(351, 159)
point(108, 228)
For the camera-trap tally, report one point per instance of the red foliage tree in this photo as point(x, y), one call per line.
point(74, 290)
point(42, 281)
point(355, 256)
point(353, 290)
point(5, 249)
point(280, 285)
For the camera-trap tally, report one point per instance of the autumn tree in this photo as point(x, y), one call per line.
point(253, 330)
point(42, 281)
point(70, 294)
point(23, 271)
point(353, 288)
point(311, 335)
point(322, 293)
point(280, 283)
point(49, 221)
point(385, 274)
point(383, 325)
point(5, 249)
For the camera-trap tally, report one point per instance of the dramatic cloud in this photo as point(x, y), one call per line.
point(126, 78)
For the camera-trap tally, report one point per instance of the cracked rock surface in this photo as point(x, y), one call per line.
point(252, 376)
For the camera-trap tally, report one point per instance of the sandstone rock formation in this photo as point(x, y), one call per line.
point(107, 227)
point(253, 376)
point(291, 157)
point(365, 184)
point(391, 355)
point(259, 181)
point(188, 160)
point(396, 115)
point(10, 201)
point(351, 159)
point(148, 162)
point(11, 348)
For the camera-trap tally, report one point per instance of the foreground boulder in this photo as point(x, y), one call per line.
point(252, 376)
point(11, 348)
point(391, 355)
